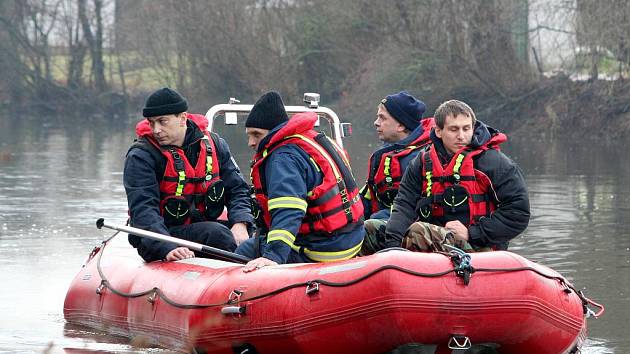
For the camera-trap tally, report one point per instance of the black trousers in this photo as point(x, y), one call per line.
point(207, 233)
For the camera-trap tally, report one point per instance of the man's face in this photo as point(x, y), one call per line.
point(457, 132)
point(169, 129)
point(388, 129)
point(254, 136)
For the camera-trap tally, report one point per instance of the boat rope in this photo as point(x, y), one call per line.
point(462, 262)
point(462, 266)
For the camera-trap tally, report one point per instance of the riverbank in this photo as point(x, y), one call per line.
point(549, 109)
point(553, 108)
point(559, 108)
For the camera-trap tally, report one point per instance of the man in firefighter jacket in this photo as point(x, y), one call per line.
point(462, 182)
point(400, 127)
point(178, 178)
point(310, 205)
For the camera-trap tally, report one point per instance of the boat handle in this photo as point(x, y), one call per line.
point(454, 342)
point(233, 310)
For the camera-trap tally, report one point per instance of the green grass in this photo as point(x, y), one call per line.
point(138, 76)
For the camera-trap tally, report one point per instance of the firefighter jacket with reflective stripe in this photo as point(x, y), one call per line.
point(308, 196)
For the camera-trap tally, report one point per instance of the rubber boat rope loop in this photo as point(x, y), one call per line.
point(462, 268)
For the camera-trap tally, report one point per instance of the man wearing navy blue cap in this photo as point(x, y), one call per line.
point(400, 127)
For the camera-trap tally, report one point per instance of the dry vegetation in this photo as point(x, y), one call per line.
point(95, 54)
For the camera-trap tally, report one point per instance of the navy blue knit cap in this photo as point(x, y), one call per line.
point(164, 101)
point(268, 112)
point(405, 108)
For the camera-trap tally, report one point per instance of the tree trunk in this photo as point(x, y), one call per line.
point(95, 42)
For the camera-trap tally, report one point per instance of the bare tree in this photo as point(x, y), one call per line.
point(94, 39)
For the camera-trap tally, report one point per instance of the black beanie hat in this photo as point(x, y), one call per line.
point(405, 108)
point(164, 101)
point(267, 112)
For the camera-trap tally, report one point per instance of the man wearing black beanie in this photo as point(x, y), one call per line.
point(310, 205)
point(402, 130)
point(179, 178)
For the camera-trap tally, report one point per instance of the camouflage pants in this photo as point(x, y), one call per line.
point(422, 236)
point(374, 236)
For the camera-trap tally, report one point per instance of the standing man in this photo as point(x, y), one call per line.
point(178, 178)
point(402, 130)
point(463, 183)
point(308, 197)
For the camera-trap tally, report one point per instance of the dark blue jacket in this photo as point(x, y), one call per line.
point(509, 219)
point(141, 178)
point(289, 173)
point(384, 211)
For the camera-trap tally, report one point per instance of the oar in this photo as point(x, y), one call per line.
point(178, 241)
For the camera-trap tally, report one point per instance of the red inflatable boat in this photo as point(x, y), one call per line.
point(447, 303)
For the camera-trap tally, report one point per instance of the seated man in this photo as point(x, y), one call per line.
point(178, 178)
point(400, 127)
point(463, 183)
point(309, 200)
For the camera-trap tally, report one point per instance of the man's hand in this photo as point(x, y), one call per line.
point(460, 231)
point(239, 230)
point(180, 253)
point(257, 264)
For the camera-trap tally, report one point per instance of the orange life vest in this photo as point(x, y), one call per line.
point(384, 180)
point(182, 180)
point(457, 191)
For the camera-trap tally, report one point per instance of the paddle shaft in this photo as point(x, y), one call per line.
point(178, 241)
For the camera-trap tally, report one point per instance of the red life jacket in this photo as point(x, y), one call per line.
point(335, 202)
point(180, 178)
point(457, 191)
point(385, 179)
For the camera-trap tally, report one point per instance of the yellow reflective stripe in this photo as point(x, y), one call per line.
point(209, 164)
point(281, 235)
point(287, 202)
point(321, 151)
point(315, 164)
point(320, 256)
point(365, 192)
point(429, 183)
point(458, 163)
point(386, 169)
point(180, 183)
point(209, 161)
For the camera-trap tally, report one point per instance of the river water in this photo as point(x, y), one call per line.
point(57, 176)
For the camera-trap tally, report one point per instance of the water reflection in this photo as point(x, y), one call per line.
point(57, 178)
